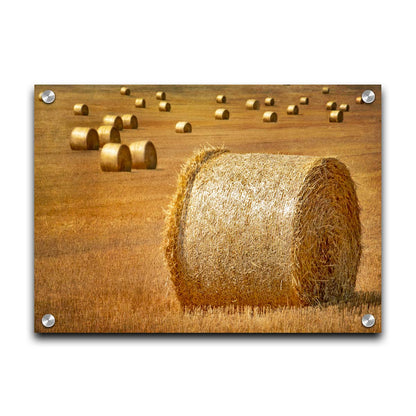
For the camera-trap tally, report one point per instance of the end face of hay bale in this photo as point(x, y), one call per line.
point(81, 109)
point(252, 104)
point(359, 100)
point(129, 121)
point(114, 121)
point(325, 90)
point(183, 127)
point(115, 157)
point(164, 106)
point(143, 155)
point(336, 116)
point(124, 91)
point(222, 114)
point(221, 99)
point(269, 101)
point(84, 138)
point(270, 117)
point(331, 105)
point(161, 95)
point(344, 107)
point(293, 109)
point(140, 103)
point(108, 134)
point(304, 100)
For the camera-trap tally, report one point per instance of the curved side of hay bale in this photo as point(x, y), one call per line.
point(161, 95)
point(222, 114)
point(336, 116)
point(331, 105)
point(124, 91)
point(129, 121)
point(252, 104)
point(269, 101)
point(164, 106)
point(344, 107)
point(183, 127)
point(325, 90)
point(304, 100)
point(221, 99)
point(84, 138)
point(140, 103)
point(81, 109)
point(115, 157)
point(359, 100)
point(293, 109)
point(115, 121)
point(261, 229)
point(270, 116)
point(108, 134)
point(143, 155)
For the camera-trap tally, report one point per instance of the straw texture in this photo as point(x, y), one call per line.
point(222, 114)
point(143, 155)
point(183, 127)
point(304, 100)
point(269, 101)
point(325, 90)
point(293, 109)
point(129, 121)
point(81, 109)
point(270, 117)
point(336, 116)
point(161, 95)
point(262, 229)
point(331, 105)
point(221, 99)
point(344, 107)
point(84, 138)
point(359, 100)
point(108, 134)
point(164, 106)
point(115, 121)
point(252, 104)
point(115, 157)
point(140, 103)
point(124, 91)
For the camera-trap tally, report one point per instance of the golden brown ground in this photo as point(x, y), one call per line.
point(98, 263)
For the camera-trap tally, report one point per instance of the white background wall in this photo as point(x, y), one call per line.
point(213, 42)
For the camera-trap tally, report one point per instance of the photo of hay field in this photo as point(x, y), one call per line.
point(116, 252)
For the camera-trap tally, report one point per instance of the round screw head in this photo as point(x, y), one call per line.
point(368, 320)
point(48, 96)
point(48, 320)
point(368, 96)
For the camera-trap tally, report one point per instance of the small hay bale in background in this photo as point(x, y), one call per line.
point(183, 127)
point(81, 109)
point(344, 107)
point(304, 100)
point(111, 120)
point(164, 106)
point(252, 104)
point(270, 117)
point(84, 138)
point(269, 101)
point(161, 95)
point(325, 90)
point(336, 116)
point(129, 121)
point(293, 109)
point(108, 134)
point(262, 229)
point(124, 91)
point(221, 99)
point(143, 155)
point(331, 105)
point(222, 114)
point(140, 103)
point(359, 100)
point(115, 157)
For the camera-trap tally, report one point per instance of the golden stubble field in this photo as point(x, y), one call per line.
point(98, 262)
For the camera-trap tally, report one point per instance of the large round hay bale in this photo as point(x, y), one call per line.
point(304, 100)
point(359, 100)
point(269, 101)
point(221, 99)
point(336, 116)
point(270, 117)
point(115, 157)
point(140, 103)
point(164, 106)
point(292, 109)
point(325, 90)
point(112, 120)
point(81, 109)
point(124, 91)
point(183, 127)
point(129, 121)
point(161, 95)
point(222, 114)
point(344, 107)
point(252, 104)
point(331, 105)
point(108, 134)
point(262, 229)
point(84, 138)
point(143, 155)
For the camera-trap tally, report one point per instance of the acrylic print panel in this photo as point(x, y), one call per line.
point(207, 209)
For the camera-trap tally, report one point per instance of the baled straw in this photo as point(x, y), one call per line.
point(81, 109)
point(270, 116)
point(325, 90)
point(140, 103)
point(269, 101)
point(359, 100)
point(115, 157)
point(124, 91)
point(262, 229)
point(108, 134)
point(344, 107)
point(304, 100)
point(293, 109)
point(252, 104)
point(183, 127)
point(129, 121)
point(164, 106)
point(336, 116)
point(111, 120)
point(84, 138)
point(221, 99)
point(331, 105)
point(222, 114)
point(143, 155)
point(160, 95)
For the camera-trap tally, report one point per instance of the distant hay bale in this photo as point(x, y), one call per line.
point(164, 106)
point(81, 109)
point(269, 101)
point(84, 138)
point(270, 117)
point(331, 105)
point(161, 95)
point(359, 100)
point(252, 104)
point(115, 121)
point(221, 99)
point(336, 116)
point(124, 91)
point(129, 121)
point(140, 103)
point(222, 114)
point(108, 134)
point(115, 157)
point(183, 127)
point(304, 100)
point(293, 109)
point(344, 107)
point(262, 229)
point(143, 155)
point(325, 90)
